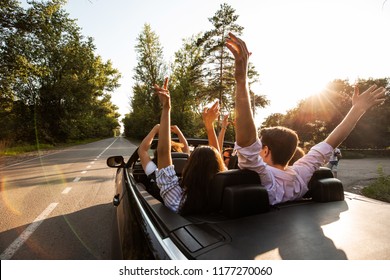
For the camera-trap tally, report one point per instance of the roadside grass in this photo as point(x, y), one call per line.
point(379, 189)
point(7, 149)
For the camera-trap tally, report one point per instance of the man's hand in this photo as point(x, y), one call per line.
point(372, 96)
point(241, 56)
point(360, 104)
point(246, 133)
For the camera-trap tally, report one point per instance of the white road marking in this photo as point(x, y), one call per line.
point(11, 250)
point(66, 190)
point(25, 235)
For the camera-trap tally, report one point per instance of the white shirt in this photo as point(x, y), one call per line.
point(150, 168)
point(284, 185)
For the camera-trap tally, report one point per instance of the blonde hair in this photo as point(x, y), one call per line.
point(177, 147)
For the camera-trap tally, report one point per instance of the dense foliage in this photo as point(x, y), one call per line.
point(53, 88)
point(316, 116)
point(202, 72)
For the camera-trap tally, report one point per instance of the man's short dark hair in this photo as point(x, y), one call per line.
point(282, 142)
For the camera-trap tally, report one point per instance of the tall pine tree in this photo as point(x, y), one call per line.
point(150, 70)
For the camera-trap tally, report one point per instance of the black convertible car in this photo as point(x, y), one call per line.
point(328, 224)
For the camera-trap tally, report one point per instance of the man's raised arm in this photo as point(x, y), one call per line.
point(246, 133)
point(360, 104)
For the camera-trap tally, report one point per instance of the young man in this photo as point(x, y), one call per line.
point(269, 155)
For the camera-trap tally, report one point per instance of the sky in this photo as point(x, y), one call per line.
point(297, 46)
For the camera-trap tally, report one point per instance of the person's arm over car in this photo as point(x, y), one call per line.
point(175, 129)
point(246, 133)
point(209, 115)
point(360, 104)
point(145, 146)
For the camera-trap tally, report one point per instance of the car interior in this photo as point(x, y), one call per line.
point(242, 218)
point(237, 193)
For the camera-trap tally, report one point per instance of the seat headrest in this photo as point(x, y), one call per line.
point(229, 178)
point(244, 200)
point(179, 164)
point(179, 155)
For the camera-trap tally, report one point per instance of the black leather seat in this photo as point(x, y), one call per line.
point(236, 193)
point(179, 160)
point(323, 187)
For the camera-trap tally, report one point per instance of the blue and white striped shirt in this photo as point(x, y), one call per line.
point(170, 189)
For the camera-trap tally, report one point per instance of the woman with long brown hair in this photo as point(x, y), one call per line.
point(191, 196)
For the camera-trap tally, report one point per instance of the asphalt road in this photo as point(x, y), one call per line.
point(59, 205)
point(355, 174)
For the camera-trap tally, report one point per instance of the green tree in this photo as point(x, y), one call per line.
point(53, 76)
point(150, 70)
point(187, 82)
point(275, 119)
point(220, 63)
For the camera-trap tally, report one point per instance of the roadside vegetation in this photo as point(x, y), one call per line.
point(19, 149)
point(54, 88)
point(379, 189)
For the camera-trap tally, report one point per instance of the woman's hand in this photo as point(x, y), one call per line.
point(225, 121)
point(175, 129)
point(209, 115)
point(163, 94)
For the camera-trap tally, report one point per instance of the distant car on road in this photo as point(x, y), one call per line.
point(328, 224)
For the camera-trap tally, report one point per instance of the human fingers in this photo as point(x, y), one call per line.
point(158, 89)
point(369, 90)
point(240, 42)
point(379, 92)
point(225, 120)
point(204, 113)
point(237, 44)
point(166, 83)
point(232, 46)
point(215, 105)
point(356, 90)
point(214, 110)
point(379, 95)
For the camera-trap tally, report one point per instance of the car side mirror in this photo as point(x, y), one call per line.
point(116, 162)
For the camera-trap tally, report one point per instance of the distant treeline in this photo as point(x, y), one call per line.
point(53, 87)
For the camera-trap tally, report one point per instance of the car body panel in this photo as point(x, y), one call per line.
point(354, 228)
